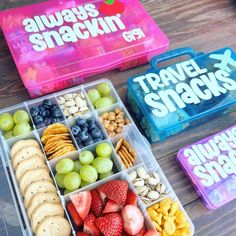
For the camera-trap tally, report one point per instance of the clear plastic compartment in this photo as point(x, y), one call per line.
point(130, 133)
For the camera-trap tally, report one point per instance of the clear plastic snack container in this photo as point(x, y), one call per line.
point(210, 165)
point(130, 133)
point(168, 100)
point(56, 44)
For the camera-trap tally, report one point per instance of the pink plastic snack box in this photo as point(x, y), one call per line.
point(56, 44)
point(211, 166)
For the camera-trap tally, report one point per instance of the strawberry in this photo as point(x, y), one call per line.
point(115, 190)
point(111, 207)
point(103, 197)
point(133, 219)
point(151, 232)
point(132, 198)
point(90, 226)
point(82, 234)
point(111, 224)
point(82, 203)
point(74, 214)
point(141, 232)
point(96, 206)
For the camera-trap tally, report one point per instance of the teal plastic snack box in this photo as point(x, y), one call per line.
point(171, 99)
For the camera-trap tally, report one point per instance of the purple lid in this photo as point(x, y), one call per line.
point(211, 165)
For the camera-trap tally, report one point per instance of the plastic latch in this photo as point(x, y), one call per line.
point(171, 55)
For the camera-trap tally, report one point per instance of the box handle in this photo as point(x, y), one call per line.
point(171, 55)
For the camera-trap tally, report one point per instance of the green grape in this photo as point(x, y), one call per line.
point(67, 191)
point(104, 149)
point(77, 166)
point(60, 180)
point(102, 165)
point(21, 116)
point(105, 175)
point(64, 166)
point(103, 102)
point(88, 174)
point(72, 181)
point(112, 98)
point(93, 95)
point(86, 157)
point(9, 134)
point(21, 128)
point(83, 184)
point(6, 122)
point(104, 89)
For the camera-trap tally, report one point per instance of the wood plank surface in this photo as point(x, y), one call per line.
point(204, 25)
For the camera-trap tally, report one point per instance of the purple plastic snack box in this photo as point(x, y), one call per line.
point(211, 166)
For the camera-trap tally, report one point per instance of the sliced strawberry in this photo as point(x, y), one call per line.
point(90, 226)
point(103, 197)
point(111, 207)
point(110, 224)
point(96, 206)
point(133, 219)
point(74, 214)
point(82, 234)
point(132, 198)
point(151, 232)
point(115, 190)
point(82, 203)
point(141, 232)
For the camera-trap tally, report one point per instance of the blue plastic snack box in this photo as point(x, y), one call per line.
point(171, 99)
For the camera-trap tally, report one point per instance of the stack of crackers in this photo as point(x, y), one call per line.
point(57, 141)
point(41, 201)
point(126, 153)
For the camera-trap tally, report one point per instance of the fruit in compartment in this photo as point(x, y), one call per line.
point(86, 157)
point(64, 166)
point(6, 122)
point(86, 132)
point(21, 128)
point(88, 174)
point(102, 165)
point(72, 181)
point(101, 96)
point(104, 150)
point(21, 116)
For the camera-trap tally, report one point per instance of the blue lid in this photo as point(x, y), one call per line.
point(168, 100)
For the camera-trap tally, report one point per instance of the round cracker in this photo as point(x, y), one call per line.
point(23, 143)
point(40, 198)
point(26, 153)
point(29, 164)
point(44, 210)
point(54, 226)
point(31, 176)
point(38, 187)
point(56, 128)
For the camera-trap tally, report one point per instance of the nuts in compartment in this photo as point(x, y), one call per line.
point(126, 153)
point(114, 121)
point(73, 104)
point(168, 218)
point(148, 185)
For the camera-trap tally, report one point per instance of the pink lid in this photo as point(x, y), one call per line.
point(58, 40)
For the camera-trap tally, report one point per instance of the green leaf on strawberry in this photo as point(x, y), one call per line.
point(112, 7)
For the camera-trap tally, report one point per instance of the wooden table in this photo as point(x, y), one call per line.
point(204, 25)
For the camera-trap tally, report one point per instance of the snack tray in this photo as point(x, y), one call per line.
point(130, 132)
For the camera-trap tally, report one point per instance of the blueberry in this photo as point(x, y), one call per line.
point(55, 107)
point(84, 136)
point(48, 113)
point(84, 128)
point(75, 130)
point(92, 125)
point(81, 145)
point(78, 140)
point(57, 113)
point(41, 108)
point(48, 121)
point(38, 120)
point(41, 125)
point(96, 132)
point(34, 111)
point(88, 142)
point(43, 114)
point(81, 122)
point(47, 104)
point(92, 120)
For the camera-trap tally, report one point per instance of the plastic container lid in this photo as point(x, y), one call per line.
point(211, 166)
point(59, 40)
point(168, 100)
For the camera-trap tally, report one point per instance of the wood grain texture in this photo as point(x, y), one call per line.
point(204, 25)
